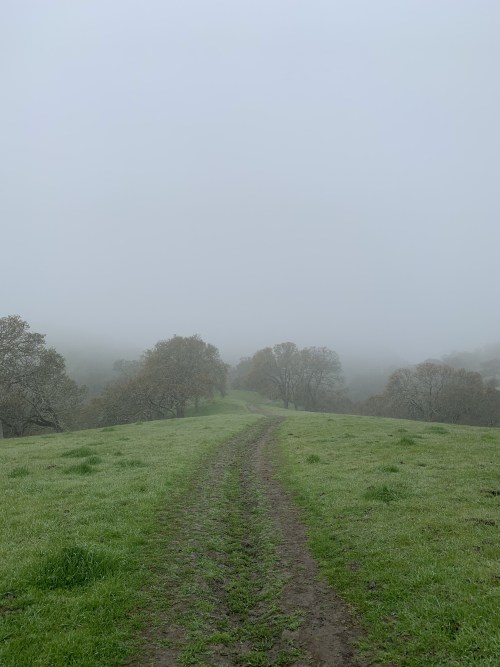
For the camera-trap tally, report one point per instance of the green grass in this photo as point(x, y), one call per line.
point(79, 538)
point(237, 402)
point(230, 404)
point(69, 567)
point(224, 571)
point(78, 452)
point(404, 518)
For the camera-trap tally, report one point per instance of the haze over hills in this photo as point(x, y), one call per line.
point(90, 361)
point(255, 173)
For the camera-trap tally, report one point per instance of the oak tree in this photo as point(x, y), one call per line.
point(35, 391)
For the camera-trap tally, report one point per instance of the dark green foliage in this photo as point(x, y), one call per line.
point(79, 452)
point(73, 566)
point(406, 440)
point(389, 468)
point(383, 493)
point(131, 463)
point(80, 469)
point(20, 471)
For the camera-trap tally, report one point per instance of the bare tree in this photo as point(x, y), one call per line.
point(437, 392)
point(320, 377)
point(308, 378)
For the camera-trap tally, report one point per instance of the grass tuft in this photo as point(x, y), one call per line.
point(389, 468)
point(313, 458)
point(83, 468)
point(406, 440)
point(79, 452)
point(384, 493)
point(131, 463)
point(19, 471)
point(73, 566)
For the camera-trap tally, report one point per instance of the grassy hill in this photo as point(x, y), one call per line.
point(403, 516)
point(84, 517)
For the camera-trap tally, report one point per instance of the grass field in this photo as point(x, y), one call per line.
point(403, 517)
point(405, 520)
point(84, 517)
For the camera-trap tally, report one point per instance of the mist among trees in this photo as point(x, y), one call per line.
point(309, 379)
point(35, 391)
point(438, 392)
point(37, 394)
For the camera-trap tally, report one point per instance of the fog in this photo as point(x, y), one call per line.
point(322, 172)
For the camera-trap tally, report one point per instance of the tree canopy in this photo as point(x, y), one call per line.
point(35, 391)
point(173, 373)
point(310, 378)
point(434, 391)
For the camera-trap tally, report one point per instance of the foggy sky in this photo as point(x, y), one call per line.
point(324, 172)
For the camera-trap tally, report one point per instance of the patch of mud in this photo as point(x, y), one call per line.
point(326, 634)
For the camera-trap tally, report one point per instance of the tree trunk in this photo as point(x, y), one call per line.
point(1, 429)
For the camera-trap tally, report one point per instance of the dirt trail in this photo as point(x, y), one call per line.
point(244, 588)
point(327, 633)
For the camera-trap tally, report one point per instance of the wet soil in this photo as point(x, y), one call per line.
point(328, 632)
point(243, 587)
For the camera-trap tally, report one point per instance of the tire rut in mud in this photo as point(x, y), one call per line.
point(244, 589)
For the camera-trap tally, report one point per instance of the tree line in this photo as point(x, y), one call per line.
point(435, 391)
point(309, 378)
point(170, 376)
point(37, 394)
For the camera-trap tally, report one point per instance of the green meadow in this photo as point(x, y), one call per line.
point(84, 518)
point(403, 517)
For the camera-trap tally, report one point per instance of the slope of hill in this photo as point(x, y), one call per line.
point(403, 518)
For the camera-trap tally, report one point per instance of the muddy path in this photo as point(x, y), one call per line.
point(242, 586)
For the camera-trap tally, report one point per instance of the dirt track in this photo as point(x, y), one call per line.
point(245, 589)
